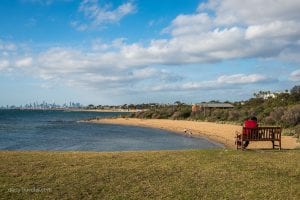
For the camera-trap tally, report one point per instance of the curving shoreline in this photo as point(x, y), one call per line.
point(220, 133)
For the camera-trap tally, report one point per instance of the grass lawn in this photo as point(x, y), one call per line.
point(191, 174)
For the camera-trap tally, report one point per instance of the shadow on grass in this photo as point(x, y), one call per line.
point(268, 150)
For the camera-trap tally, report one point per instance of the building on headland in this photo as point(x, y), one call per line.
point(269, 95)
point(207, 107)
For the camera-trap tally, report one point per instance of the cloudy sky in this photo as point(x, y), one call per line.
point(135, 51)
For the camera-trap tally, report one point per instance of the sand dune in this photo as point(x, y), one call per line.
point(222, 133)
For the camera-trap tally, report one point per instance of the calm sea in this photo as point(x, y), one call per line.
point(60, 130)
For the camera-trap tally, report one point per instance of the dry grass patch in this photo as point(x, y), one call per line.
point(192, 174)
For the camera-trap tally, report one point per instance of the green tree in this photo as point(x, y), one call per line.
point(295, 93)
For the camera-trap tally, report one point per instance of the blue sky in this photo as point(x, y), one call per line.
point(139, 51)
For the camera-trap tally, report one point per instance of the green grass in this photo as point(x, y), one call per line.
point(192, 174)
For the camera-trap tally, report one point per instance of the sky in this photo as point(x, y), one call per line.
point(142, 51)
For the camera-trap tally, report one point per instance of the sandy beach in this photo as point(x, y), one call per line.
point(221, 133)
point(104, 110)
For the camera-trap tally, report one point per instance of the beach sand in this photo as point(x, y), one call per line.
point(222, 133)
point(104, 110)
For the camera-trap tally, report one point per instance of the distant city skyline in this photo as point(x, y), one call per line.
point(42, 105)
point(132, 51)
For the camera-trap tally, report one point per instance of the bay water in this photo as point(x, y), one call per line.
point(61, 130)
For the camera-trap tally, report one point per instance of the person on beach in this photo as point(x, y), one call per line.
point(249, 123)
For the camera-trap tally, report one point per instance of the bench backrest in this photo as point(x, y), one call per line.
point(262, 133)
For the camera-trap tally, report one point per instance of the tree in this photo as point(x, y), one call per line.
point(295, 89)
point(91, 106)
point(125, 106)
point(178, 103)
point(295, 93)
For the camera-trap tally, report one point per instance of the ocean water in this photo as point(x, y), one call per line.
point(60, 130)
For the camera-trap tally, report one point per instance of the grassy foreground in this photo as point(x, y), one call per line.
point(192, 174)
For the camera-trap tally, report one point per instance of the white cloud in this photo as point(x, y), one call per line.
point(252, 12)
point(99, 45)
point(241, 79)
point(295, 75)
point(276, 29)
point(222, 82)
point(99, 15)
point(24, 62)
point(290, 54)
point(130, 69)
point(189, 24)
point(62, 60)
point(236, 29)
point(199, 37)
point(7, 46)
point(119, 79)
point(79, 26)
point(233, 29)
point(99, 70)
point(4, 64)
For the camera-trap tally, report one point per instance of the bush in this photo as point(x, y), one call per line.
point(198, 115)
point(233, 115)
point(297, 131)
point(156, 116)
point(181, 114)
point(149, 115)
point(291, 117)
point(219, 115)
point(288, 132)
point(269, 120)
point(277, 113)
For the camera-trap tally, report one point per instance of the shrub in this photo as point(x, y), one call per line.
point(218, 114)
point(297, 131)
point(269, 120)
point(233, 115)
point(277, 113)
point(198, 115)
point(156, 116)
point(181, 114)
point(291, 116)
point(149, 114)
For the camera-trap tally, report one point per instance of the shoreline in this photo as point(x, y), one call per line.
point(103, 110)
point(80, 110)
point(214, 132)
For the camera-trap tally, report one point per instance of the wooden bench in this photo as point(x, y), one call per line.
point(272, 134)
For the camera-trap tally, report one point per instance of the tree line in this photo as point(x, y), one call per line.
point(274, 109)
